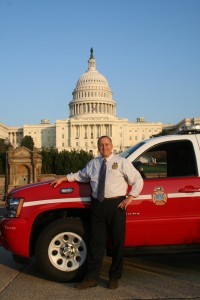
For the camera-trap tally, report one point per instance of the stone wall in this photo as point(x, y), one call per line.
point(42, 177)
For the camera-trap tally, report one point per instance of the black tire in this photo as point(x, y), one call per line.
point(61, 250)
point(20, 260)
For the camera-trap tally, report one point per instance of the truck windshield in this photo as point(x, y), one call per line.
point(129, 151)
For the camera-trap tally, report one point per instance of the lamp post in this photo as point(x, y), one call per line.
point(6, 144)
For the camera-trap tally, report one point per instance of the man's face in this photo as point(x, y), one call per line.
point(105, 147)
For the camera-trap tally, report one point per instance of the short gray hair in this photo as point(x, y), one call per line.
point(101, 137)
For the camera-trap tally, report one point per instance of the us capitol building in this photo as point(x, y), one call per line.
point(92, 114)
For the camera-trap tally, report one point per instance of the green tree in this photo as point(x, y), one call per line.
point(2, 157)
point(2, 146)
point(27, 142)
point(2, 162)
point(48, 160)
point(64, 162)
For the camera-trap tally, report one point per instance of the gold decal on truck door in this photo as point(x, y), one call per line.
point(159, 196)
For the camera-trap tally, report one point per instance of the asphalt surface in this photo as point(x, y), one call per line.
point(174, 276)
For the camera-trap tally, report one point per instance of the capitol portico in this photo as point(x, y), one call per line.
point(92, 113)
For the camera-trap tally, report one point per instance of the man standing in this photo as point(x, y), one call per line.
point(109, 176)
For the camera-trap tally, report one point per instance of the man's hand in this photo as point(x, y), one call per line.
point(56, 182)
point(126, 202)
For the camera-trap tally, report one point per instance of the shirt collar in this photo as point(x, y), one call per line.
point(109, 158)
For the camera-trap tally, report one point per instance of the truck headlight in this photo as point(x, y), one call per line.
point(13, 207)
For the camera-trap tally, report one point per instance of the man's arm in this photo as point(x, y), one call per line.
point(135, 180)
point(57, 182)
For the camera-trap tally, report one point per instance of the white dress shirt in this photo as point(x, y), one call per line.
point(119, 174)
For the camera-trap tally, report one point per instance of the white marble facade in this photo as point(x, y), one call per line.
point(92, 114)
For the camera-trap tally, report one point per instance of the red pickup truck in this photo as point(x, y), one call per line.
point(52, 224)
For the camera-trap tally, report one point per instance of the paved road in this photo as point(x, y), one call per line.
point(166, 276)
point(174, 276)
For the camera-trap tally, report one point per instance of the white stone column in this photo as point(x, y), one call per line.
point(102, 129)
point(14, 138)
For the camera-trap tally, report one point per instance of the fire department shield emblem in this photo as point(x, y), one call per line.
point(159, 196)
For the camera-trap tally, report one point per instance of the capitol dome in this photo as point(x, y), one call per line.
point(92, 77)
point(92, 94)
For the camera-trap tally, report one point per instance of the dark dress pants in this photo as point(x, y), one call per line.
point(107, 220)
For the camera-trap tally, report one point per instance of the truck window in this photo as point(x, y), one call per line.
point(170, 159)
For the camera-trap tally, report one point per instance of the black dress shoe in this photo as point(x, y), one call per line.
point(113, 284)
point(86, 283)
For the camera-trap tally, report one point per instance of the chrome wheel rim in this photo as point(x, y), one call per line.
point(67, 251)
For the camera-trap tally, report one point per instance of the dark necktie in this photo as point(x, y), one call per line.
point(101, 184)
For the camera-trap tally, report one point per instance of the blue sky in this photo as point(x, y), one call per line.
point(149, 51)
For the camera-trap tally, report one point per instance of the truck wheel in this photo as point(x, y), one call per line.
point(20, 260)
point(61, 250)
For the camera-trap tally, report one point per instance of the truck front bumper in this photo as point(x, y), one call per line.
point(14, 236)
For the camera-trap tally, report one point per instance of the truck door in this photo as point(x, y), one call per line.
point(168, 210)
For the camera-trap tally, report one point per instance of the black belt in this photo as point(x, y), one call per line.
point(115, 198)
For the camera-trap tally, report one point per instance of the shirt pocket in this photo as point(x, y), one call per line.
point(113, 175)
